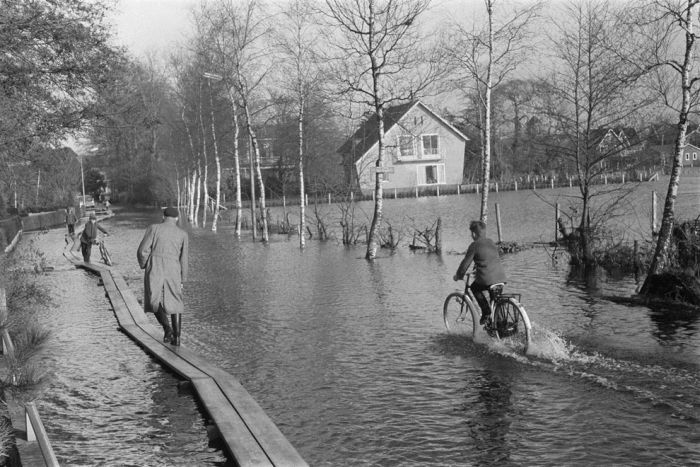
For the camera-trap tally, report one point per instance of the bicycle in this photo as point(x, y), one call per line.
point(461, 314)
point(106, 258)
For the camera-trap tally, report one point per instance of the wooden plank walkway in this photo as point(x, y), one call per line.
point(252, 439)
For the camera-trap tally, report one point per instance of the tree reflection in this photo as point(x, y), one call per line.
point(670, 322)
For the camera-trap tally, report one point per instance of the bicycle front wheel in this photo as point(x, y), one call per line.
point(105, 255)
point(458, 315)
point(512, 324)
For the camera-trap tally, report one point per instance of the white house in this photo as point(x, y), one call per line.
point(421, 149)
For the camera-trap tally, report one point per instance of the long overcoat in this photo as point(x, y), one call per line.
point(163, 254)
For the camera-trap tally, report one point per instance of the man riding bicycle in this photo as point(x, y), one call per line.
point(484, 253)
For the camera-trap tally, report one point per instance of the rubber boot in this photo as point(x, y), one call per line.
point(162, 318)
point(176, 319)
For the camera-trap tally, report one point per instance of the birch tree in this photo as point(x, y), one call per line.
point(484, 58)
point(245, 31)
point(300, 76)
point(379, 62)
point(677, 51)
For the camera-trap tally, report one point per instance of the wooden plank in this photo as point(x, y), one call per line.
point(90, 267)
point(135, 308)
point(272, 440)
point(36, 427)
point(29, 452)
point(242, 445)
point(275, 444)
point(163, 353)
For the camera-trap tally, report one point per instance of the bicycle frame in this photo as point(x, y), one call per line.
point(471, 298)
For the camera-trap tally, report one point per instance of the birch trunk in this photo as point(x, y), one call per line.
point(204, 181)
point(193, 184)
point(258, 171)
point(199, 191)
point(486, 163)
point(302, 213)
point(237, 168)
point(216, 159)
point(660, 261)
point(373, 243)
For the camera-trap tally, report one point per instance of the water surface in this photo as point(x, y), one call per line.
point(350, 358)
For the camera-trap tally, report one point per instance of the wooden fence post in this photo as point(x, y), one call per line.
point(458, 188)
point(556, 222)
point(498, 223)
point(516, 185)
point(329, 198)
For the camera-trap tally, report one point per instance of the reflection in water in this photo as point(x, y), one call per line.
point(670, 325)
point(491, 425)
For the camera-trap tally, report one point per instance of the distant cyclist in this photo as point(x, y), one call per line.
point(484, 253)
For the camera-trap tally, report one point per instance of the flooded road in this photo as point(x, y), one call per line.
point(350, 358)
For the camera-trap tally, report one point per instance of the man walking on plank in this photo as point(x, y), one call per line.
point(163, 254)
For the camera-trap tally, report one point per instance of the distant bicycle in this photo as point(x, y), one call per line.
point(106, 258)
point(509, 321)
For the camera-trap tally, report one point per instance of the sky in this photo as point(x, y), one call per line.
point(145, 26)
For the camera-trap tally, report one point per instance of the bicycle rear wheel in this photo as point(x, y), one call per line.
point(512, 324)
point(458, 315)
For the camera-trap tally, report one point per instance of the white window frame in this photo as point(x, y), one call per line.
point(437, 147)
point(400, 140)
point(421, 174)
point(695, 156)
point(687, 156)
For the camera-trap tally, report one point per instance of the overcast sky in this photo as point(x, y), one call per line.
point(152, 25)
point(146, 26)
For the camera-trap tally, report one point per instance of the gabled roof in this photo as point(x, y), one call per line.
point(367, 135)
point(690, 146)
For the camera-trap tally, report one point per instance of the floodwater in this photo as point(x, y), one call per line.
point(350, 358)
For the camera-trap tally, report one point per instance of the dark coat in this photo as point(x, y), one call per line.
point(89, 234)
point(163, 254)
point(484, 253)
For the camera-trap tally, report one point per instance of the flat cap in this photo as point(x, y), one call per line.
point(171, 212)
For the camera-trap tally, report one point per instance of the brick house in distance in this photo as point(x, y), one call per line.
point(421, 150)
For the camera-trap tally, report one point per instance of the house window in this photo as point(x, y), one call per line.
point(430, 174)
point(695, 156)
point(430, 145)
point(687, 156)
point(406, 146)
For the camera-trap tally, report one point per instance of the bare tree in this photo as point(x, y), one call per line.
point(485, 58)
point(246, 32)
point(300, 75)
point(380, 62)
point(679, 54)
point(588, 97)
